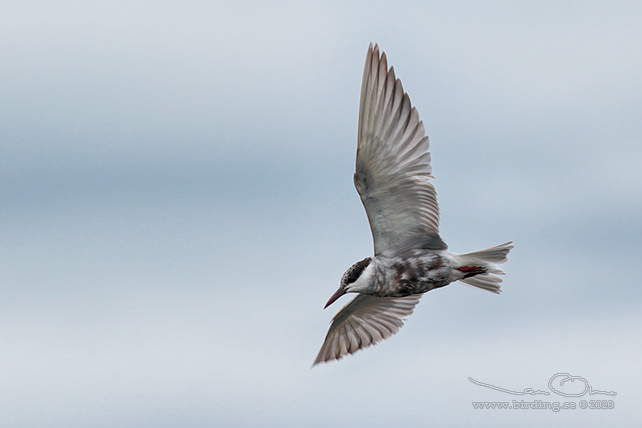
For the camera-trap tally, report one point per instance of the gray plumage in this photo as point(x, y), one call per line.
point(392, 177)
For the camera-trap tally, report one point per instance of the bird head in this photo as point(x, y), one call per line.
point(357, 279)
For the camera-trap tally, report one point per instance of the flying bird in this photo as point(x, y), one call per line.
point(392, 177)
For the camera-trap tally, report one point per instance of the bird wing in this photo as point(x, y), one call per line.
point(393, 165)
point(365, 321)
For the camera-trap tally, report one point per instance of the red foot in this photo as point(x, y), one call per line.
point(471, 270)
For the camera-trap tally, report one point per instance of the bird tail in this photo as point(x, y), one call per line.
point(480, 267)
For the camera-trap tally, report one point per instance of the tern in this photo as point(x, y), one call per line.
point(392, 177)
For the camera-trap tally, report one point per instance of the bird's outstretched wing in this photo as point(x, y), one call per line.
point(365, 321)
point(393, 165)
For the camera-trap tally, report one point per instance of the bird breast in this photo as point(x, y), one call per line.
point(396, 277)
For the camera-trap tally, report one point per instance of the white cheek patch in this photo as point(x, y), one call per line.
point(364, 281)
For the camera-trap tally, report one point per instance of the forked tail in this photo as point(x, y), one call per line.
point(480, 267)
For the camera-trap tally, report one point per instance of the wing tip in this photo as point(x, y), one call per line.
point(335, 347)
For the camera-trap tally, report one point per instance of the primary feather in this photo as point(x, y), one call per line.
point(393, 165)
point(365, 321)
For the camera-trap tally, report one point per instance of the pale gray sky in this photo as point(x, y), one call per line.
point(177, 206)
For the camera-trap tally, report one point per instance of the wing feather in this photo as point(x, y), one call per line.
point(365, 321)
point(393, 165)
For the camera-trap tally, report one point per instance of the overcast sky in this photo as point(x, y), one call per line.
point(176, 206)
